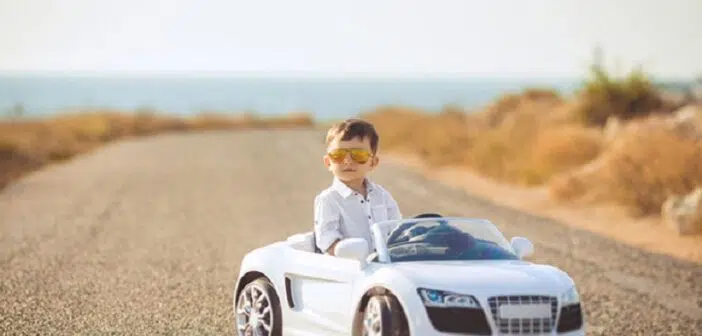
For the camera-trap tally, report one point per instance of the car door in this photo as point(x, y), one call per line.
point(318, 293)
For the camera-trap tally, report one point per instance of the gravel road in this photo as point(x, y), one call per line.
point(144, 237)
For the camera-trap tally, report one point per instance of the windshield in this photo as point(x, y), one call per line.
point(447, 239)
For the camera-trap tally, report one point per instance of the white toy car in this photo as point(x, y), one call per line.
point(428, 275)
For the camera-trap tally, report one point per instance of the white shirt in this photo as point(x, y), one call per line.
point(340, 212)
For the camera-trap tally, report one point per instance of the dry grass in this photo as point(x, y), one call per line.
point(537, 138)
point(639, 170)
point(440, 139)
point(521, 138)
point(561, 149)
point(653, 167)
point(29, 144)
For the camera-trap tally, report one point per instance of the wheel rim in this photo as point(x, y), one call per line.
point(254, 314)
point(372, 318)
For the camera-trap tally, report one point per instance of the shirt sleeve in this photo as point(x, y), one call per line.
point(326, 222)
point(393, 208)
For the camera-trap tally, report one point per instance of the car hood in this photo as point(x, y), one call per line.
point(490, 277)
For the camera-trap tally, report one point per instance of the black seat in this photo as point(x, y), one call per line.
point(428, 215)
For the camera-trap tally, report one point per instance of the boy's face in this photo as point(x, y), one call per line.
point(350, 160)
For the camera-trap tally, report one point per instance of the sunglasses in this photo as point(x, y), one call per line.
point(359, 155)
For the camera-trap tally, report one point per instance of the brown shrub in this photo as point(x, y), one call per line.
point(640, 169)
point(494, 155)
point(439, 139)
point(560, 149)
point(536, 102)
point(503, 152)
point(297, 119)
point(501, 148)
point(651, 166)
point(14, 161)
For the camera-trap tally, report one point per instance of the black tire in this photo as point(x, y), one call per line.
point(392, 317)
point(400, 325)
point(275, 318)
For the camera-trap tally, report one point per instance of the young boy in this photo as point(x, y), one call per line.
point(352, 203)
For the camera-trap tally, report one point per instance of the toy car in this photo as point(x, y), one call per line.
point(427, 275)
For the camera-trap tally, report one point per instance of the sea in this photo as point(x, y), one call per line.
point(324, 98)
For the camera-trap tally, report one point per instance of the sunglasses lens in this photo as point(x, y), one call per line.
point(360, 155)
point(337, 155)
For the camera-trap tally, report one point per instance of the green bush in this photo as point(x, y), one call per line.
point(630, 97)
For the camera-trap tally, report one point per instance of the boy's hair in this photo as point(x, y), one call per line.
point(352, 128)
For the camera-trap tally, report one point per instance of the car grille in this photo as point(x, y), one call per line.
point(459, 320)
point(523, 325)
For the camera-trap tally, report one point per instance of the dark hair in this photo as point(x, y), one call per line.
point(352, 128)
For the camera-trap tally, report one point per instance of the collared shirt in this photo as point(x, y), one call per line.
point(340, 212)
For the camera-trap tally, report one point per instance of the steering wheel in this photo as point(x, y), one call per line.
point(456, 240)
point(406, 229)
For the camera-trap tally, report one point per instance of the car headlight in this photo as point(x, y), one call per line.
point(571, 296)
point(439, 298)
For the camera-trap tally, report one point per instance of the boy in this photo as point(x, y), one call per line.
point(352, 203)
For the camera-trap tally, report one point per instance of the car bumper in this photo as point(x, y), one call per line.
point(463, 322)
point(429, 331)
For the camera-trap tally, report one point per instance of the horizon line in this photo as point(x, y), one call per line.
point(321, 75)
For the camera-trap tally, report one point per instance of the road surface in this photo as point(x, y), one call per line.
point(144, 237)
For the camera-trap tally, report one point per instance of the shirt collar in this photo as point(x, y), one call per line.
point(345, 191)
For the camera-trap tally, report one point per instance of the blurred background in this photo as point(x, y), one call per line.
point(597, 101)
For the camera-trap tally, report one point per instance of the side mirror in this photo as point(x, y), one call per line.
point(352, 248)
point(522, 246)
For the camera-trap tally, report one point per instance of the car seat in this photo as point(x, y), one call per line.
point(314, 242)
point(428, 215)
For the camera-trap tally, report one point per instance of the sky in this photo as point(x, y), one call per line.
point(500, 38)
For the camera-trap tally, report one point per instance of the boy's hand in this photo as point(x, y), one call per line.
point(330, 250)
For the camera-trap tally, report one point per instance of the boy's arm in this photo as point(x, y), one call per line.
point(393, 208)
point(326, 224)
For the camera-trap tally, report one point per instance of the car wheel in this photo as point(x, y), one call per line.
point(258, 310)
point(378, 317)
